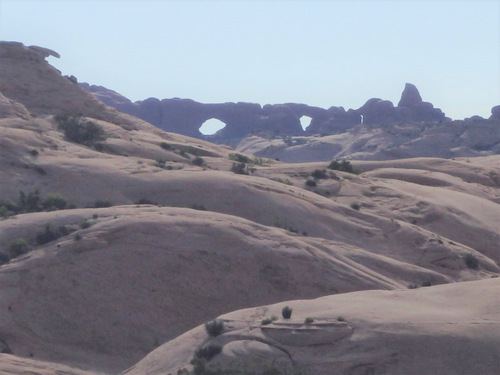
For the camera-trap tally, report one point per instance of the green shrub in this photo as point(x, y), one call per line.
point(85, 224)
point(239, 168)
point(18, 247)
point(471, 261)
point(4, 258)
point(34, 152)
point(207, 352)
point(145, 201)
point(355, 206)
point(198, 161)
point(214, 327)
point(102, 203)
point(340, 319)
point(308, 320)
point(30, 202)
point(78, 130)
point(49, 234)
point(319, 174)
point(165, 146)
point(286, 312)
point(53, 202)
point(239, 158)
point(198, 207)
point(343, 166)
point(311, 183)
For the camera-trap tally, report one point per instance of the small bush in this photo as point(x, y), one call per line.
point(85, 224)
point(53, 202)
point(34, 152)
point(471, 261)
point(343, 166)
point(340, 319)
point(102, 203)
point(427, 283)
point(311, 183)
point(165, 146)
point(78, 130)
point(239, 158)
point(239, 168)
point(78, 237)
point(267, 321)
point(198, 207)
point(308, 320)
point(4, 258)
point(144, 201)
point(319, 174)
point(198, 161)
point(49, 234)
point(207, 352)
point(18, 247)
point(355, 206)
point(286, 312)
point(214, 327)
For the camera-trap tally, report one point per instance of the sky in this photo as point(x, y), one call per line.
point(321, 53)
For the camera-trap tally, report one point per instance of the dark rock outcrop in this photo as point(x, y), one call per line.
point(495, 113)
point(410, 97)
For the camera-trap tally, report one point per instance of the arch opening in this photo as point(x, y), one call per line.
point(212, 126)
point(305, 121)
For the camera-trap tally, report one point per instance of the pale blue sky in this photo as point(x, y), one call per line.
point(323, 53)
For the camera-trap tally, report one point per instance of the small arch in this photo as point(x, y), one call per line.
point(212, 126)
point(305, 121)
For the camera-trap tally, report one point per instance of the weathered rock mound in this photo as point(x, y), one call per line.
point(373, 332)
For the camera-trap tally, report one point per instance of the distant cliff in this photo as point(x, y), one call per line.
point(186, 116)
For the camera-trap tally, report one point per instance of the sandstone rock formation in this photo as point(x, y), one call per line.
point(186, 116)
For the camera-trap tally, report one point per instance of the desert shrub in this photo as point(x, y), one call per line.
point(343, 166)
point(239, 158)
point(78, 130)
point(198, 161)
point(4, 258)
point(5, 211)
point(29, 202)
point(102, 203)
point(85, 224)
point(340, 319)
point(427, 283)
point(145, 201)
point(160, 164)
point(18, 247)
point(471, 261)
point(208, 352)
point(53, 202)
point(308, 320)
point(319, 174)
point(355, 206)
point(214, 327)
point(286, 312)
point(78, 237)
point(311, 183)
point(239, 168)
point(50, 234)
point(165, 146)
point(34, 152)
